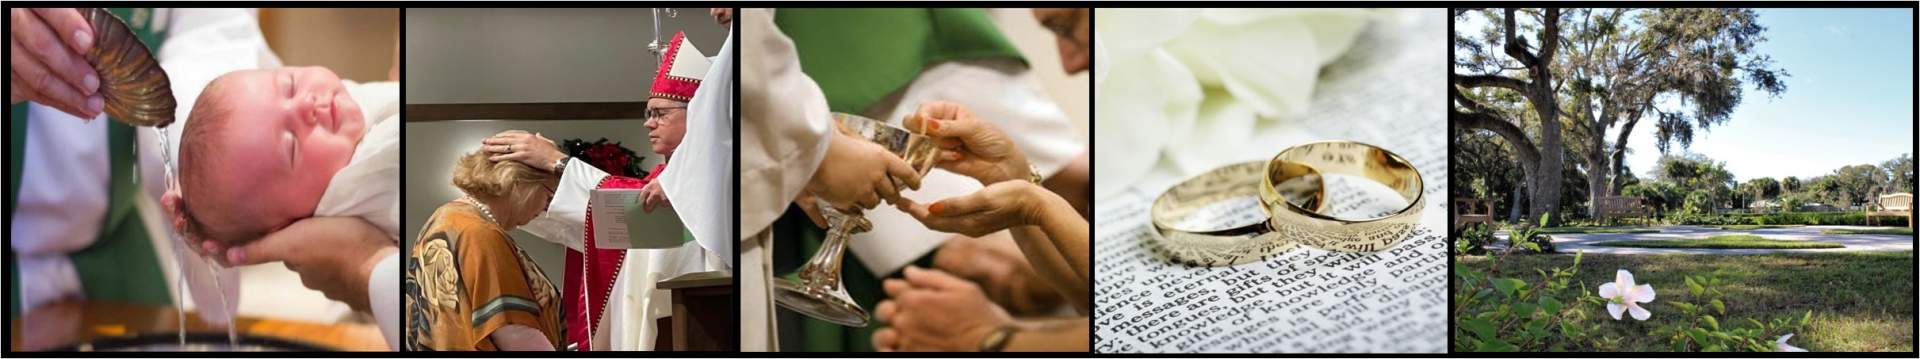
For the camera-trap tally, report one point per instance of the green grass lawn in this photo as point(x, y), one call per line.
point(1725, 241)
point(1905, 231)
point(1608, 230)
point(1749, 227)
point(1861, 301)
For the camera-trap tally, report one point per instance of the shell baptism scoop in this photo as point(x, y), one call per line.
point(136, 89)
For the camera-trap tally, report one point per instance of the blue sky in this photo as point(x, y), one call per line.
point(1849, 101)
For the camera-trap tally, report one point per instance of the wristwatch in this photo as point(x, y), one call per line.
point(560, 165)
point(997, 339)
point(1033, 174)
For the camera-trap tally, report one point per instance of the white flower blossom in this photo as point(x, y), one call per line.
point(1193, 84)
point(1623, 295)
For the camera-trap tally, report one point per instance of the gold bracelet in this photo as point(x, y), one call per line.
point(997, 340)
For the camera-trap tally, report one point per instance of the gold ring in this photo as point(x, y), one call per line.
point(1293, 194)
point(1242, 241)
point(1291, 190)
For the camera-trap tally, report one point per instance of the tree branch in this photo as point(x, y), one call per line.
point(1479, 81)
point(1483, 118)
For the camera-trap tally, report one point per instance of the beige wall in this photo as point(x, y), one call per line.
point(358, 44)
point(540, 55)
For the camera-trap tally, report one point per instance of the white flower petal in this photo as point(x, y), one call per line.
point(1334, 30)
point(1270, 58)
point(1100, 65)
point(1271, 65)
point(1623, 278)
point(1782, 346)
point(1642, 293)
point(1218, 137)
point(1639, 313)
point(1614, 309)
point(1137, 112)
point(1144, 29)
point(1609, 291)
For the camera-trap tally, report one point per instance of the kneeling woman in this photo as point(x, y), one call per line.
point(468, 287)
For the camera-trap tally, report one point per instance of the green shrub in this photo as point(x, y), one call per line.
point(1791, 218)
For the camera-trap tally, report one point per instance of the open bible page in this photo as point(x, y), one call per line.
point(1386, 92)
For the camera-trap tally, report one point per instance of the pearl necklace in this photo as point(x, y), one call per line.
point(483, 209)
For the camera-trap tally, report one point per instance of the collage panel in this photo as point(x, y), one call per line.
point(871, 179)
point(1711, 180)
point(1269, 180)
point(241, 194)
point(915, 179)
point(572, 191)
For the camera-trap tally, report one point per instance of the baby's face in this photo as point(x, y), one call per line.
point(291, 129)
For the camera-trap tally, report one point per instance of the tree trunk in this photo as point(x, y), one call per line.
point(1540, 161)
point(1545, 181)
point(1619, 154)
point(1513, 209)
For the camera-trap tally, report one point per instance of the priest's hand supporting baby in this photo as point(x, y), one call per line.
point(45, 61)
point(333, 255)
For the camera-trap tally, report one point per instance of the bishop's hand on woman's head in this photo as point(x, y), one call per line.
point(528, 148)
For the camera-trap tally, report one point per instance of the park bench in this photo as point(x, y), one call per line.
point(1892, 205)
point(1615, 207)
point(1465, 212)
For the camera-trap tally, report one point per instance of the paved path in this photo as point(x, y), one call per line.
point(1574, 242)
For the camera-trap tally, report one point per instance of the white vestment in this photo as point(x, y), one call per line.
point(700, 196)
point(785, 123)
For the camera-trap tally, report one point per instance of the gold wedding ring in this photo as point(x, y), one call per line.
point(1294, 206)
point(1298, 215)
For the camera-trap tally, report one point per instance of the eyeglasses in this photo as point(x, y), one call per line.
point(660, 112)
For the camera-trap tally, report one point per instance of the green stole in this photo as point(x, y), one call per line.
point(121, 265)
point(858, 57)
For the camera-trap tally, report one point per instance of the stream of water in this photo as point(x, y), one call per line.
point(180, 264)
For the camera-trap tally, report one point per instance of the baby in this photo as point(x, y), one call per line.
point(265, 148)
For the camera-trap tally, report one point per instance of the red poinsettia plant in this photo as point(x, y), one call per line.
point(606, 155)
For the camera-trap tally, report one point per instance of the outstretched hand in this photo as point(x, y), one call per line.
point(970, 146)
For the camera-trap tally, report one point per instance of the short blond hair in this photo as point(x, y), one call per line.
point(490, 180)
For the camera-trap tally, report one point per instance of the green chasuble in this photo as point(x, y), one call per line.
point(121, 265)
point(859, 56)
